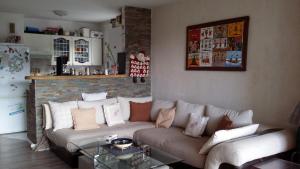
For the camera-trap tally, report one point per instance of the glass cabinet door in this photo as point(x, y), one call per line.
point(61, 47)
point(82, 51)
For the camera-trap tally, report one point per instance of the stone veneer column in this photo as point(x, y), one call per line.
point(137, 31)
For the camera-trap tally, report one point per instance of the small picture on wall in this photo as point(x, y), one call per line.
point(220, 45)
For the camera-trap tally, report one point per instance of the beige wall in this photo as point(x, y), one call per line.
point(271, 84)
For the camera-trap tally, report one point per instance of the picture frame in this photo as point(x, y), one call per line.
point(218, 46)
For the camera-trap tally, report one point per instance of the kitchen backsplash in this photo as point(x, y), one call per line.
point(43, 67)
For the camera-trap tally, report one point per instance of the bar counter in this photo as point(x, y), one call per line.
point(50, 77)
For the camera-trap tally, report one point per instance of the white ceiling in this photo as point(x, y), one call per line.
point(78, 10)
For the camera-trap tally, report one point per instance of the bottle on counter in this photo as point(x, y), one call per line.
point(87, 71)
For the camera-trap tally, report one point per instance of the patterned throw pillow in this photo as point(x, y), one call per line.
point(113, 115)
point(196, 125)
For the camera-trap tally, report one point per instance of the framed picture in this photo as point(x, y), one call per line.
point(218, 46)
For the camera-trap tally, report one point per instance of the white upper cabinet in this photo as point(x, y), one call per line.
point(96, 51)
point(40, 45)
point(79, 50)
point(82, 51)
point(61, 47)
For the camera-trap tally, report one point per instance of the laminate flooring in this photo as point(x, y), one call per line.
point(15, 153)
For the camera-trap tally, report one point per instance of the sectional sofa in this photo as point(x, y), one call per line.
point(237, 152)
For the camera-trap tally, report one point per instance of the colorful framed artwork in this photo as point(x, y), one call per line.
point(218, 46)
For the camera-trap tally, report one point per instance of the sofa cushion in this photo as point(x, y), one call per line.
point(183, 110)
point(160, 104)
point(125, 105)
point(61, 114)
point(65, 137)
point(215, 115)
point(225, 123)
point(173, 141)
point(165, 118)
point(47, 119)
point(84, 119)
point(224, 135)
point(140, 111)
point(112, 114)
point(100, 119)
point(196, 125)
point(94, 96)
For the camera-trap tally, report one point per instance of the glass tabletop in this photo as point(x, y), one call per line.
point(106, 156)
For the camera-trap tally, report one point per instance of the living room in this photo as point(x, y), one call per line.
point(183, 83)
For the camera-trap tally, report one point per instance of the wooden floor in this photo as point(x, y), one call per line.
point(15, 153)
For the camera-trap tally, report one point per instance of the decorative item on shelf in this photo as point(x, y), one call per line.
point(13, 38)
point(295, 120)
point(85, 32)
point(51, 31)
point(115, 22)
point(218, 46)
point(111, 60)
point(139, 66)
point(96, 34)
point(60, 31)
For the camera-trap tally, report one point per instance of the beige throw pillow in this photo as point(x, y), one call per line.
point(84, 119)
point(165, 118)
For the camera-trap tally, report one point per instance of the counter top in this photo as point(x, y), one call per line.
point(50, 77)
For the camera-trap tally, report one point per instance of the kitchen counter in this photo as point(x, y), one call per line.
point(50, 77)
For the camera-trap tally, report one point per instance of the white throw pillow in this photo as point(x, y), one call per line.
point(94, 96)
point(160, 104)
point(100, 119)
point(125, 104)
point(113, 114)
point(196, 125)
point(224, 135)
point(183, 111)
point(47, 119)
point(61, 114)
point(215, 114)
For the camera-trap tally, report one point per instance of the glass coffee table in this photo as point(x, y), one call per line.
point(101, 155)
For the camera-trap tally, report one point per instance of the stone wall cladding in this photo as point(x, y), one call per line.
point(137, 31)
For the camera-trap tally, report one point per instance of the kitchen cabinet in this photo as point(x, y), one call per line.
point(61, 47)
point(96, 51)
point(79, 50)
point(82, 54)
point(40, 45)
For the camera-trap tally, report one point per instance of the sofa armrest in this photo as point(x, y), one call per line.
point(242, 151)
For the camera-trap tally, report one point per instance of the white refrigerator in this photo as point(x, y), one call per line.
point(14, 66)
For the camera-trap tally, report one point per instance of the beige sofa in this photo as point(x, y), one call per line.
point(172, 140)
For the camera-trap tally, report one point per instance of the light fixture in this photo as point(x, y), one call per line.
point(60, 13)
